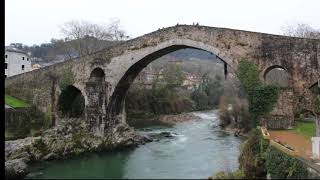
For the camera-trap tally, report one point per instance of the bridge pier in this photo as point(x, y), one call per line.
point(95, 109)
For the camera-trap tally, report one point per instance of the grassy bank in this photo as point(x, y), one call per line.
point(307, 129)
point(14, 102)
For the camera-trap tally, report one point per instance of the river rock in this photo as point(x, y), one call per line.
point(23, 155)
point(161, 135)
point(16, 168)
point(125, 136)
point(147, 138)
point(16, 148)
point(50, 156)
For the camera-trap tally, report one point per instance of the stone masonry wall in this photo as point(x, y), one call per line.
point(22, 122)
point(282, 116)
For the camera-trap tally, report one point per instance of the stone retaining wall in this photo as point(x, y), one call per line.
point(278, 122)
point(23, 122)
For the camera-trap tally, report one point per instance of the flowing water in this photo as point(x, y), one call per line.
point(198, 150)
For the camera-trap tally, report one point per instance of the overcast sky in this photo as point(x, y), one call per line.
point(37, 21)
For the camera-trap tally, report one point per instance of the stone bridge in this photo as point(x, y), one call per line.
point(104, 77)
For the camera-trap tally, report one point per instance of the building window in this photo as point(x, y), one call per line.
point(27, 59)
point(5, 76)
point(6, 56)
point(22, 58)
point(22, 67)
point(5, 65)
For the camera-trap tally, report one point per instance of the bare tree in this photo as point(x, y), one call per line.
point(316, 107)
point(65, 47)
point(86, 37)
point(316, 113)
point(115, 31)
point(301, 30)
point(310, 101)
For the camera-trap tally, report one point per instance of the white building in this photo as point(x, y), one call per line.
point(16, 61)
point(36, 66)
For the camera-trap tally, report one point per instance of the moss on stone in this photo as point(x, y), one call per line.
point(40, 145)
point(68, 78)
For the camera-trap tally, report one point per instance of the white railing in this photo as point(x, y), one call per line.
point(316, 147)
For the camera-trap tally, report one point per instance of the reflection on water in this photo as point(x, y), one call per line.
point(198, 151)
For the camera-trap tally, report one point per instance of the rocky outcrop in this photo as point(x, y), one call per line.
point(236, 131)
point(16, 168)
point(68, 138)
point(124, 136)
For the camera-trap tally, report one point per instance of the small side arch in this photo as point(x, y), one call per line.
point(315, 88)
point(71, 103)
point(97, 75)
point(276, 75)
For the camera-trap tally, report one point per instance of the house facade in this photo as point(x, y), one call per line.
point(191, 81)
point(147, 76)
point(16, 61)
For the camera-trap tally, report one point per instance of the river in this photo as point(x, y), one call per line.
point(198, 151)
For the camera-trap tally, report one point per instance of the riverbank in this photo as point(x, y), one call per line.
point(169, 119)
point(235, 131)
point(192, 149)
point(177, 118)
point(69, 139)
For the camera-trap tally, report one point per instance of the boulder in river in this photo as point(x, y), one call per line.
point(161, 135)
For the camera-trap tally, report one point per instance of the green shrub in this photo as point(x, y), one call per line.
point(281, 166)
point(142, 103)
point(253, 155)
point(237, 116)
point(201, 99)
point(207, 94)
point(225, 116)
point(68, 79)
point(248, 75)
point(262, 100)
point(238, 174)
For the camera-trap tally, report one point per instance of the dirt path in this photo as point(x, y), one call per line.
point(302, 144)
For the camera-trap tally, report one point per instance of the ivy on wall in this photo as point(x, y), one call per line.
point(248, 75)
point(67, 79)
point(262, 98)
